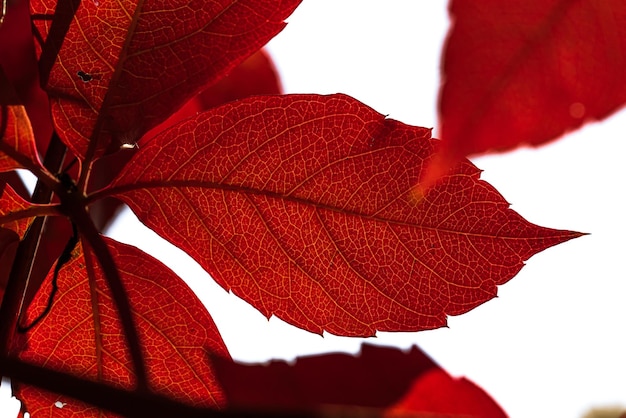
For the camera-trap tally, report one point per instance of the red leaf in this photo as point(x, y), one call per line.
point(122, 70)
point(254, 76)
point(17, 215)
point(520, 72)
point(378, 377)
point(440, 395)
point(11, 202)
point(82, 334)
point(17, 59)
point(303, 206)
point(17, 142)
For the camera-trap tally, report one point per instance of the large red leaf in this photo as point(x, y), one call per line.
point(254, 76)
point(17, 214)
point(17, 149)
point(524, 72)
point(383, 378)
point(303, 206)
point(82, 334)
point(122, 70)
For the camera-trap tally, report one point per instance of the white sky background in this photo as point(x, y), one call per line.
point(552, 344)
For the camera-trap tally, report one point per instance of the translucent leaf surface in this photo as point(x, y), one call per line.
point(82, 333)
point(304, 206)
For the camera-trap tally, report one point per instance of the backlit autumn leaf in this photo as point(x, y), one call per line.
point(304, 206)
point(525, 72)
point(17, 149)
point(123, 69)
point(11, 231)
point(81, 334)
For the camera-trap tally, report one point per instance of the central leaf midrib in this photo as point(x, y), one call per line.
point(146, 186)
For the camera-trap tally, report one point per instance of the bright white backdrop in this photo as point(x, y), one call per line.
point(552, 344)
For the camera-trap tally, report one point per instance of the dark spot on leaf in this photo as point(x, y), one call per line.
point(86, 77)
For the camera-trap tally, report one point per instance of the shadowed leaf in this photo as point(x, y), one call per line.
point(82, 334)
point(387, 379)
point(17, 142)
point(18, 61)
point(11, 202)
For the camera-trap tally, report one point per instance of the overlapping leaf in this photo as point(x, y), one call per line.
point(10, 231)
point(18, 146)
point(303, 206)
point(384, 379)
point(18, 61)
point(437, 394)
point(11, 202)
point(524, 72)
point(17, 142)
point(123, 68)
point(82, 334)
point(254, 76)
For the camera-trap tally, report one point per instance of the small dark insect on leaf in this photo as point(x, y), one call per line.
point(86, 77)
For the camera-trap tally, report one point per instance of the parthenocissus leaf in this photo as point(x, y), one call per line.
point(525, 72)
point(10, 202)
point(82, 334)
point(17, 142)
point(305, 207)
point(122, 69)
